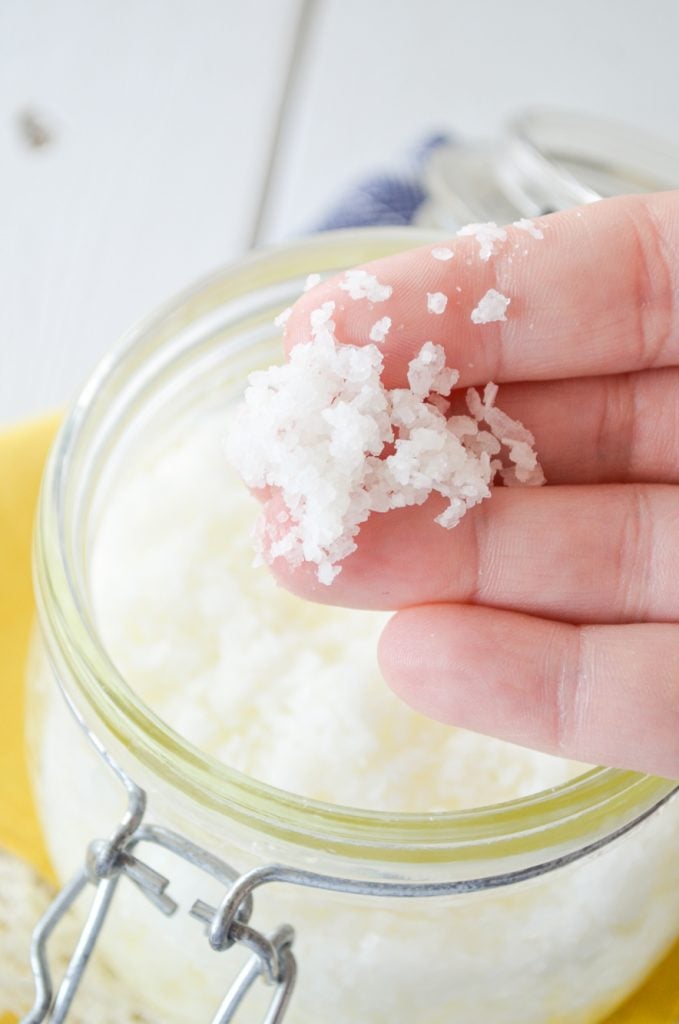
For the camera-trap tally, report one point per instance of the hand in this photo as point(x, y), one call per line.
point(548, 616)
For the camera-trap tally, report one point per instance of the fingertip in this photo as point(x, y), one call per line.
point(468, 667)
point(397, 655)
point(297, 329)
point(417, 651)
point(302, 581)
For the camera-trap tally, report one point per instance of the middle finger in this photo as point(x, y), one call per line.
point(606, 554)
point(614, 429)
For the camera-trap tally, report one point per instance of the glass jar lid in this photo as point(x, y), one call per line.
point(547, 160)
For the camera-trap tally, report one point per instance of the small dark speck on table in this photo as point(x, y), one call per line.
point(34, 132)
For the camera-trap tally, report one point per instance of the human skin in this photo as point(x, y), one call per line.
point(548, 616)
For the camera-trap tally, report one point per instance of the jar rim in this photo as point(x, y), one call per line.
point(567, 816)
point(566, 144)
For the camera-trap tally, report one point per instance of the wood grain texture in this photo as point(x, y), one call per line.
point(134, 137)
point(380, 76)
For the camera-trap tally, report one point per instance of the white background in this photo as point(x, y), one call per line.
point(181, 132)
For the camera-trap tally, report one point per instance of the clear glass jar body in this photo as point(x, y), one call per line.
point(567, 939)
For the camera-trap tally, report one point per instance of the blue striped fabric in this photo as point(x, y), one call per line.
point(391, 197)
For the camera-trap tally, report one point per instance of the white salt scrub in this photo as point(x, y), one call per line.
point(491, 308)
point(443, 253)
point(283, 317)
point(380, 329)
point(318, 430)
point(530, 227)
point(513, 435)
point(359, 284)
point(436, 302)
point(311, 282)
point(487, 235)
point(321, 322)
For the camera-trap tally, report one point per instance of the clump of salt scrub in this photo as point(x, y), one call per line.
point(530, 227)
point(359, 284)
point(337, 445)
point(322, 324)
point(491, 308)
point(487, 235)
point(516, 438)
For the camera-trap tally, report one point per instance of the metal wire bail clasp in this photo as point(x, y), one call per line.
point(107, 861)
point(259, 965)
point(272, 960)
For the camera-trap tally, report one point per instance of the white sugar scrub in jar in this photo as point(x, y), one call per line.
point(260, 730)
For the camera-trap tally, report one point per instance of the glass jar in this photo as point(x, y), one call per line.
point(549, 908)
point(546, 160)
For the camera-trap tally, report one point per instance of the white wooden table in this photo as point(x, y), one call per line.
point(143, 142)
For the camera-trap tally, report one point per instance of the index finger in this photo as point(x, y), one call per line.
point(597, 294)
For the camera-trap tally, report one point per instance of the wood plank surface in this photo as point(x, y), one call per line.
point(380, 76)
point(134, 140)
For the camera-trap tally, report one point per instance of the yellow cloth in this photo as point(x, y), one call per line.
point(22, 453)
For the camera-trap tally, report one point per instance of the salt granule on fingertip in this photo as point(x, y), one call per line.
point(428, 373)
point(359, 284)
point(491, 308)
point(327, 573)
point(320, 320)
point(282, 318)
point(486, 235)
point(511, 433)
point(490, 393)
point(524, 224)
point(311, 282)
point(380, 329)
point(436, 302)
point(443, 253)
